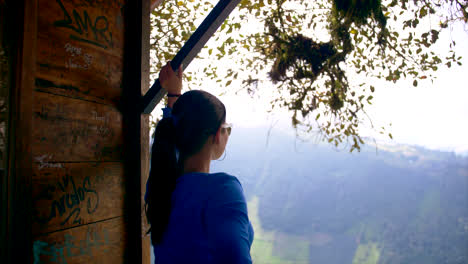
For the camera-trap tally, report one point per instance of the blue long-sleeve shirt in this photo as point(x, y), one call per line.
point(208, 222)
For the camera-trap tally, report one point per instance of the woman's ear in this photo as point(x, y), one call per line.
point(217, 136)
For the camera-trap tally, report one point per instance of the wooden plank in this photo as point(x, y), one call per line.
point(145, 162)
point(144, 128)
point(72, 194)
point(22, 18)
point(146, 241)
point(101, 242)
point(67, 129)
point(80, 49)
point(131, 117)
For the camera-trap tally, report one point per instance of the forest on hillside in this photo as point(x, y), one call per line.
point(315, 204)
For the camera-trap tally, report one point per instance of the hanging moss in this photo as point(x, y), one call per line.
point(336, 103)
point(299, 48)
point(358, 11)
point(303, 57)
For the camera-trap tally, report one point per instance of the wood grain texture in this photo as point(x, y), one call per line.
point(88, 173)
point(145, 128)
point(102, 242)
point(67, 129)
point(146, 241)
point(71, 194)
point(80, 48)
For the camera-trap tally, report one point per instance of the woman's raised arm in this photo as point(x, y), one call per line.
point(172, 82)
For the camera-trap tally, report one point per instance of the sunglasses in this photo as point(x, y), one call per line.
point(228, 128)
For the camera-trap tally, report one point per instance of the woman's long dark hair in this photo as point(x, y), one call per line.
point(195, 116)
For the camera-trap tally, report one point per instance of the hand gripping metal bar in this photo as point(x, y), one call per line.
point(190, 49)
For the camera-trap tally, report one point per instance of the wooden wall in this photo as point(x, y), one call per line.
point(82, 130)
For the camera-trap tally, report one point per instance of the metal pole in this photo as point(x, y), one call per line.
point(190, 49)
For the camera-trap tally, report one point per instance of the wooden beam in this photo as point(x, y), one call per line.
point(134, 71)
point(24, 28)
point(145, 126)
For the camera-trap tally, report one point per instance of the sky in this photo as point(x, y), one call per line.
point(433, 115)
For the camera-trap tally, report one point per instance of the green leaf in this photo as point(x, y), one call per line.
point(422, 12)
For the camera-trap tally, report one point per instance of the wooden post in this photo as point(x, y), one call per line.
point(136, 126)
point(145, 126)
point(23, 40)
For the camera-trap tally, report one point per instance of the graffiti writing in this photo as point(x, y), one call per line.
point(83, 24)
point(78, 59)
point(71, 247)
point(44, 164)
point(69, 202)
point(101, 152)
point(97, 117)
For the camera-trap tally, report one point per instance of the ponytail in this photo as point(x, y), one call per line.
point(196, 114)
point(162, 179)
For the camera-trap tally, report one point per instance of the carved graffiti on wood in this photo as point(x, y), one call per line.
point(82, 25)
point(80, 49)
point(74, 130)
point(67, 205)
point(75, 194)
point(78, 181)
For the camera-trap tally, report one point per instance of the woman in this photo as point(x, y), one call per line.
point(195, 216)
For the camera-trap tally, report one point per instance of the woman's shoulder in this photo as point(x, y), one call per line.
point(226, 187)
point(217, 177)
point(225, 179)
point(210, 182)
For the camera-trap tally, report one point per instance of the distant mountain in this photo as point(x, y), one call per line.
point(314, 204)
